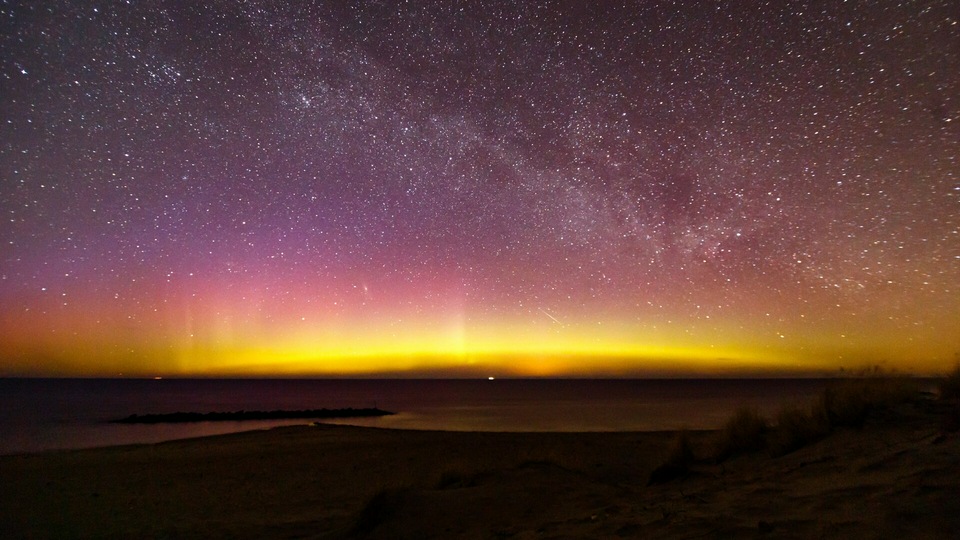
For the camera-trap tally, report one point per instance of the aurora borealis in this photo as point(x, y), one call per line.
point(528, 188)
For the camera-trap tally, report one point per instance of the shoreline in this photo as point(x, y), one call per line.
point(897, 474)
point(241, 416)
point(635, 406)
point(313, 424)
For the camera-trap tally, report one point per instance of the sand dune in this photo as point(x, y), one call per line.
point(896, 476)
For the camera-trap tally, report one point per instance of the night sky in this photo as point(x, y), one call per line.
point(521, 188)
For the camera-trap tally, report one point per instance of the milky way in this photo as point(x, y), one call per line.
point(528, 188)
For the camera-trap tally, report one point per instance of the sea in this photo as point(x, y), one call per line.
point(49, 414)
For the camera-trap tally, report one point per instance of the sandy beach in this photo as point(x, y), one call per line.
point(897, 476)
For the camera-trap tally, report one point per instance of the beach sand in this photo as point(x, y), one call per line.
point(897, 476)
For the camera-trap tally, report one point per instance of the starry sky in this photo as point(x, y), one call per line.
point(525, 188)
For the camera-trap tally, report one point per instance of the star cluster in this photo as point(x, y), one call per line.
point(522, 187)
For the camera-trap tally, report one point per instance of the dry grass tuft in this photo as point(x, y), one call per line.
point(381, 508)
point(846, 402)
point(849, 401)
point(678, 461)
point(950, 385)
point(744, 432)
point(798, 427)
point(681, 451)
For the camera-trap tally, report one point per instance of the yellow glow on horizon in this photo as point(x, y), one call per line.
point(531, 351)
point(515, 349)
point(456, 346)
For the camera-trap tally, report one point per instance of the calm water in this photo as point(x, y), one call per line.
point(42, 414)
